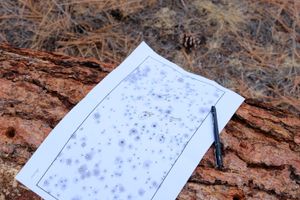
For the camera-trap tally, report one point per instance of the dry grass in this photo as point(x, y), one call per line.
point(251, 46)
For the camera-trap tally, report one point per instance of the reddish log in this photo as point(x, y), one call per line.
point(261, 144)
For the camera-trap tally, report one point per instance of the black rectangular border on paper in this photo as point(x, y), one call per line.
point(37, 184)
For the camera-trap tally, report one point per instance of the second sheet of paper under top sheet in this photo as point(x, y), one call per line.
point(130, 140)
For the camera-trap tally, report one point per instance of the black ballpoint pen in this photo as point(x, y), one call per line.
point(218, 152)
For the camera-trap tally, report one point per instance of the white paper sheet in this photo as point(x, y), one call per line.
point(139, 134)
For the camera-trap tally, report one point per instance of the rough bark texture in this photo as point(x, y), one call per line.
point(261, 144)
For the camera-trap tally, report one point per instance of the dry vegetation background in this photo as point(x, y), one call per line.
point(250, 46)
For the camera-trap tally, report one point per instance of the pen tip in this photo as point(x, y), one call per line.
point(213, 108)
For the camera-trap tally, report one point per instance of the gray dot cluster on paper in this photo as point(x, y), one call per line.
point(128, 144)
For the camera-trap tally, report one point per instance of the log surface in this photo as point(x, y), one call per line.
point(261, 144)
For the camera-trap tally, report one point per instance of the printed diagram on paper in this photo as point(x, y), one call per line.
point(133, 136)
point(138, 134)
